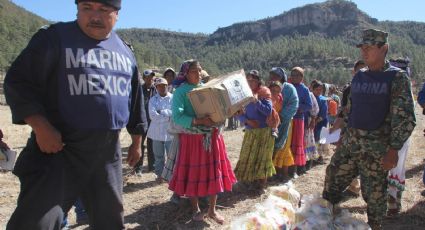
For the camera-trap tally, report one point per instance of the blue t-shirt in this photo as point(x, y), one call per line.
point(304, 100)
point(95, 77)
point(76, 82)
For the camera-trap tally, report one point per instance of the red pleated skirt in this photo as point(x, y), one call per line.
point(201, 173)
point(297, 145)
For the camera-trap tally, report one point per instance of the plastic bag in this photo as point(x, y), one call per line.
point(282, 207)
point(316, 205)
point(312, 223)
point(277, 212)
point(273, 213)
point(346, 221)
point(314, 213)
point(252, 221)
point(7, 159)
point(287, 192)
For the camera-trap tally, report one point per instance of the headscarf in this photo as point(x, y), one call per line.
point(184, 70)
point(169, 70)
point(280, 72)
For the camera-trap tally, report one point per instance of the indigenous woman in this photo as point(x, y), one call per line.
point(202, 167)
point(305, 104)
point(255, 161)
point(283, 157)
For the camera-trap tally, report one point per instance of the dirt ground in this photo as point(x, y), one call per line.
point(147, 203)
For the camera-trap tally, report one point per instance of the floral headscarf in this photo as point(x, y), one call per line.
point(181, 77)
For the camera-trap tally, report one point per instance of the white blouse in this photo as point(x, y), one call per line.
point(315, 108)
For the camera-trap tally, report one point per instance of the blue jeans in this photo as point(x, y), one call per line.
point(160, 148)
point(80, 212)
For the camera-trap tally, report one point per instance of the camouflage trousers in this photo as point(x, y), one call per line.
point(359, 156)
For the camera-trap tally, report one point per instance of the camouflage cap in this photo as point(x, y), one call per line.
point(373, 37)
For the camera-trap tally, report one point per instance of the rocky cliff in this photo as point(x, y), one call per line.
point(331, 18)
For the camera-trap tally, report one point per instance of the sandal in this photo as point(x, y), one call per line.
point(217, 218)
point(198, 216)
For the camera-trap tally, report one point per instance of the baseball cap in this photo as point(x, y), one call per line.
point(159, 81)
point(114, 3)
point(148, 72)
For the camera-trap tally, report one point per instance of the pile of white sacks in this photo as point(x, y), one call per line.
point(285, 209)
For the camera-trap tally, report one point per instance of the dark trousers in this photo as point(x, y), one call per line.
point(149, 153)
point(232, 123)
point(89, 166)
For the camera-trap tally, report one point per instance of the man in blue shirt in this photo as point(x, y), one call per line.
point(76, 84)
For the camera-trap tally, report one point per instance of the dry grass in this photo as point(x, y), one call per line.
point(146, 202)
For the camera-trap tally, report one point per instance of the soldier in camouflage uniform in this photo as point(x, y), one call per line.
point(380, 119)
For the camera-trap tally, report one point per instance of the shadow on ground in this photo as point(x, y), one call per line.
point(165, 216)
point(412, 219)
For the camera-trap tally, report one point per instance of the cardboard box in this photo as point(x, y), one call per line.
point(221, 97)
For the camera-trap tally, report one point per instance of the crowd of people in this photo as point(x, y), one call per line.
point(77, 105)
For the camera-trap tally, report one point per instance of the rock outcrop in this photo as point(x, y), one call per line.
point(331, 18)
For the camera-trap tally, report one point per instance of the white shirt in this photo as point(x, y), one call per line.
point(160, 114)
point(315, 108)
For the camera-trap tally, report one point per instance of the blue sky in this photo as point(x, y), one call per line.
point(207, 16)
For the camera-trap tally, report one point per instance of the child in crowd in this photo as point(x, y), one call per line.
point(322, 117)
point(277, 99)
point(310, 148)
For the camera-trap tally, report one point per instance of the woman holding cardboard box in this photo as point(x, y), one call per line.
point(202, 167)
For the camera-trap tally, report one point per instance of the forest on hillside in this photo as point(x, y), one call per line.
point(327, 59)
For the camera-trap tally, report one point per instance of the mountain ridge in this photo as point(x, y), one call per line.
point(324, 18)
